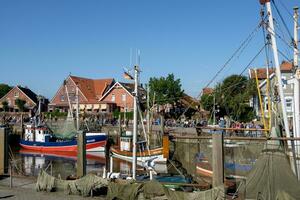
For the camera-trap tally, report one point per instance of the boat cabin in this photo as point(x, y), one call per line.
point(126, 141)
point(37, 134)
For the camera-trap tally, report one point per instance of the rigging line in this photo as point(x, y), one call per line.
point(256, 55)
point(283, 55)
point(233, 55)
point(280, 37)
point(268, 43)
point(287, 10)
point(249, 65)
point(284, 38)
point(287, 29)
point(226, 63)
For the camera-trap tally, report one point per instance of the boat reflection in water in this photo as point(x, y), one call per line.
point(64, 164)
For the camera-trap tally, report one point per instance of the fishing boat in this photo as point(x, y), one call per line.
point(124, 150)
point(235, 170)
point(40, 138)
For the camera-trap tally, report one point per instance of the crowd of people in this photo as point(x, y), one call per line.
point(243, 126)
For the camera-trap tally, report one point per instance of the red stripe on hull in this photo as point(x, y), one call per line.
point(63, 148)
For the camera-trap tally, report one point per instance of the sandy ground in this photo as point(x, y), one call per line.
point(24, 189)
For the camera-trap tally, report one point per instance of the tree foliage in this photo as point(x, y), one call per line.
point(232, 98)
point(21, 104)
point(166, 89)
point(207, 101)
point(5, 106)
point(4, 89)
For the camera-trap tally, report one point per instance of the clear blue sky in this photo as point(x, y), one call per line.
point(42, 41)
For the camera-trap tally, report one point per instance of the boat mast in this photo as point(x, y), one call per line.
point(77, 108)
point(135, 120)
point(296, 88)
point(68, 97)
point(297, 76)
point(271, 30)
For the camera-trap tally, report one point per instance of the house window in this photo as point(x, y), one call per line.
point(284, 82)
point(266, 104)
point(16, 94)
point(123, 97)
point(289, 104)
point(62, 98)
point(113, 97)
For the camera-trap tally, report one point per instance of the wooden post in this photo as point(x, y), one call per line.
point(22, 130)
point(81, 154)
point(162, 128)
point(3, 151)
point(162, 123)
point(217, 158)
point(166, 146)
point(10, 175)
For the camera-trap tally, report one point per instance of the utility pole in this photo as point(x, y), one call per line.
point(135, 120)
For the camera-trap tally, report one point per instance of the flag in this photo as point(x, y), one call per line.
point(126, 75)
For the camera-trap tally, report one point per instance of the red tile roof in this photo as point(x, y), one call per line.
point(262, 72)
point(92, 89)
point(286, 66)
point(207, 90)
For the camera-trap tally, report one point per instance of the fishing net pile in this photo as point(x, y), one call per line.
point(122, 189)
point(271, 177)
point(64, 130)
point(82, 186)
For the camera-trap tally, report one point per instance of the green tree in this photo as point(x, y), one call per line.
point(166, 89)
point(21, 104)
point(4, 89)
point(5, 106)
point(232, 98)
point(207, 101)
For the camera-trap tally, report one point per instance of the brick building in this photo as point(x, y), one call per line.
point(21, 93)
point(120, 96)
point(90, 92)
